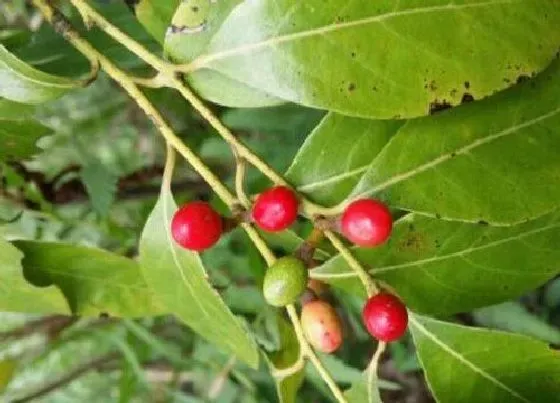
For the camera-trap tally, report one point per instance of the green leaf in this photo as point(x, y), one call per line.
point(156, 16)
point(286, 387)
point(7, 370)
point(494, 160)
point(101, 185)
point(465, 364)
point(19, 137)
point(395, 59)
point(365, 390)
point(444, 267)
point(193, 25)
point(514, 317)
point(93, 281)
point(22, 83)
point(18, 294)
point(178, 279)
point(321, 171)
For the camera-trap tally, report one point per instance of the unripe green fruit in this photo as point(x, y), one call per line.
point(285, 281)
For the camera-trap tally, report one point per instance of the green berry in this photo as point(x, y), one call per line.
point(285, 281)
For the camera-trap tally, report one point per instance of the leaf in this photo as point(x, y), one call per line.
point(19, 137)
point(22, 83)
point(364, 390)
point(444, 267)
point(474, 365)
point(193, 25)
point(494, 160)
point(336, 155)
point(7, 369)
point(287, 387)
point(93, 281)
point(178, 279)
point(19, 295)
point(101, 185)
point(156, 16)
point(514, 317)
point(394, 59)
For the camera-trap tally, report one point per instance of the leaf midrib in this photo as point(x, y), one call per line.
point(205, 60)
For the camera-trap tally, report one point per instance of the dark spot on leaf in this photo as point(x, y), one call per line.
point(453, 155)
point(339, 19)
point(554, 346)
point(353, 54)
point(438, 106)
point(482, 222)
point(411, 227)
point(104, 315)
point(194, 9)
point(453, 92)
point(351, 87)
point(467, 85)
point(507, 80)
point(466, 98)
point(432, 85)
point(522, 78)
point(374, 88)
point(437, 243)
point(438, 216)
point(414, 242)
point(397, 117)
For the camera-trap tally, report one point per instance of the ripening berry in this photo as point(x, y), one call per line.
point(285, 281)
point(196, 226)
point(366, 222)
point(275, 209)
point(321, 326)
point(385, 317)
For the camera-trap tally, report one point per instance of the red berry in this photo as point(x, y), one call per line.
point(196, 226)
point(275, 209)
point(385, 317)
point(366, 222)
point(321, 326)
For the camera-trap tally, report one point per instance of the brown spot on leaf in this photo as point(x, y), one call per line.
point(522, 78)
point(351, 87)
point(466, 98)
point(438, 106)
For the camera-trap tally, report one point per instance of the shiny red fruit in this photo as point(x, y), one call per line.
point(275, 209)
point(385, 317)
point(196, 226)
point(366, 222)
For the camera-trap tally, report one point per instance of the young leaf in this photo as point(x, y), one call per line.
point(465, 364)
point(514, 317)
point(287, 386)
point(336, 155)
point(494, 160)
point(19, 295)
point(22, 83)
point(455, 266)
point(178, 279)
point(371, 59)
point(101, 185)
point(93, 281)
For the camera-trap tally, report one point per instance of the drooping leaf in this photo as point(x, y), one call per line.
point(193, 25)
point(464, 364)
point(495, 160)
point(179, 280)
point(394, 59)
point(101, 185)
point(17, 293)
point(514, 317)
point(22, 83)
point(286, 387)
point(336, 155)
point(444, 267)
point(93, 281)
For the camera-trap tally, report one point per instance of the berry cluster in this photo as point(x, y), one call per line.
point(367, 223)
